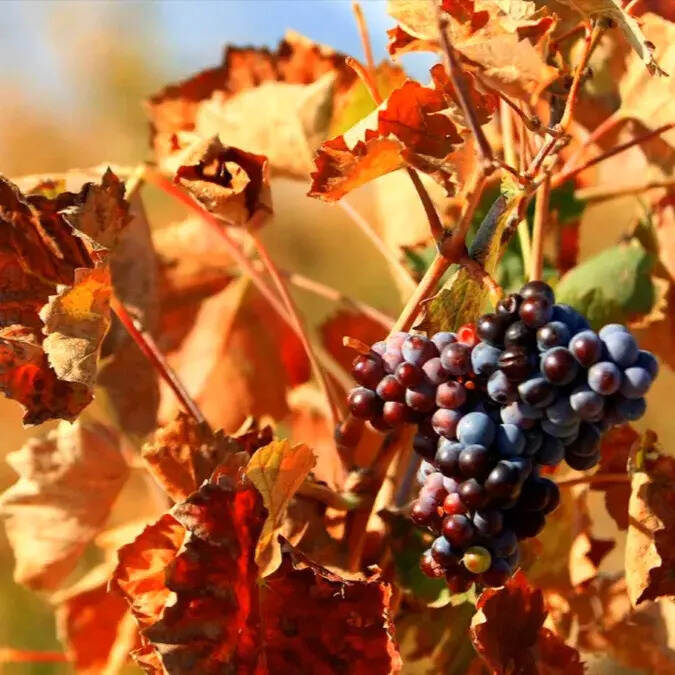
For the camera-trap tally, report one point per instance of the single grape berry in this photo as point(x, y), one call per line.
point(488, 522)
point(604, 377)
point(453, 504)
point(430, 567)
point(636, 382)
point(476, 428)
point(581, 462)
point(621, 348)
point(611, 328)
point(456, 359)
point(394, 413)
point(423, 512)
point(409, 375)
point(364, 403)
point(537, 392)
point(558, 366)
point(476, 461)
point(505, 543)
point(443, 553)
point(535, 311)
point(630, 409)
point(519, 335)
point(534, 495)
point(368, 370)
point(569, 316)
point(425, 445)
point(502, 481)
point(553, 334)
point(390, 389)
point(552, 451)
point(472, 493)
point(497, 575)
point(434, 371)
point(508, 306)
point(477, 559)
point(447, 457)
point(484, 358)
point(537, 289)
point(491, 328)
point(515, 363)
point(586, 403)
point(421, 398)
point(648, 361)
point(445, 421)
point(450, 394)
point(417, 349)
point(509, 440)
point(586, 347)
point(458, 530)
point(561, 411)
point(442, 339)
point(526, 524)
point(500, 388)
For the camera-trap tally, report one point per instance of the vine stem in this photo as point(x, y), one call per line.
point(150, 350)
point(599, 193)
point(11, 655)
point(364, 34)
point(540, 216)
point(595, 479)
point(299, 327)
point(564, 176)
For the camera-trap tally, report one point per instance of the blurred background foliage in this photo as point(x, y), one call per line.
point(73, 85)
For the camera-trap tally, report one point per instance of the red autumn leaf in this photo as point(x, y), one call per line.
point(650, 550)
point(615, 450)
point(44, 241)
point(303, 619)
point(508, 632)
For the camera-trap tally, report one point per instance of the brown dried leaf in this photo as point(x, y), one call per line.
point(650, 553)
point(228, 182)
point(586, 554)
point(277, 471)
point(183, 454)
point(508, 633)
point(67, 484)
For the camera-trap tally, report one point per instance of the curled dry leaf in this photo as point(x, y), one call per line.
point(183, 454)
point(230, 183)
point(302, 86)
point(506, 42)
point(302, 619)
point(47, 242)
point(650, 551)
point(277, 471)
point(508, 633)
point(67, 484)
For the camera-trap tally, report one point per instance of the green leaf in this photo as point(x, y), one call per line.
point(613, 286)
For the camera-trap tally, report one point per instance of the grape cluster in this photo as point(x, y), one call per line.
point(530, 385)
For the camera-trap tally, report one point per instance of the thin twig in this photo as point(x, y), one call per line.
point(594, 479)
point(591, 40)
point(435, 225)
point(150, 350)
point(365, 77)
point(12, 655)
point(459, 83)
point(540, 216)
point(381, 245)
point(599, 193)
point(564, 176)
point(579, 28)
point(300, 328)
point(365, 37)
point(533, 123)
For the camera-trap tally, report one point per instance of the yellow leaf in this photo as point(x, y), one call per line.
point(277, 471)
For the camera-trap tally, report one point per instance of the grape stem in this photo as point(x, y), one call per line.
point(150, 350)
point(364, 34)
point(595, 479)
point(540, 215)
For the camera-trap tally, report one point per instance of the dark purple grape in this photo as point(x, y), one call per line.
point(502, 481)
point(391, 360)
point(395, 341)
point(447, 457)
point(458, 530)
point(569, 316)
point(368, 370)
point(444, 422)
point(505, 544)
point(456, 359)
point(423, 512)
point(648, 361)
point(409, 375)
point(561, 411)
point(558, 366)
point(553, 334)
point(421, 398)
point(472, 493)
point(537, 392)
point(434, 371)
point(533, 441)
point(497, 575)
point(516, 363)
point(586, 442)
point(610, 328)
point(453, 504)
point(630, 409)
point(430, 567)
point(443, 553)
point(417, 349)
point(442, 339)
point(390, 389)
point(519, 335)
point(508, 306)
point(458, 582)
point(636, 382)
point(586, 347)
point(582, 462)
point(348, 433)
point(604, 378)
point(450, 394)
point(586, 403)
point(560, 430)
point(364, 403)
point(621, 348)
point(491, 328)
point(476, 461)
point(521, 414)
point(526, 524)
point(537, 289)
point(425, 446)
point(488, 522)
point(551, 453)
point(484, 358)
point(535, 311)
point(553, 497)
point(509, 440)
point(394, 413)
